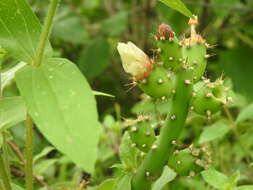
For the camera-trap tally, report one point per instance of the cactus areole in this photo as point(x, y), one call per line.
point(171, 76)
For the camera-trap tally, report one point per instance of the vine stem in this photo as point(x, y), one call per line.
point(38, 59)
point(4, 174)
point(157, 157)
point(45, 33)
point(29, 153)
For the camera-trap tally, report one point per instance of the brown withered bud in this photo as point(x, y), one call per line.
point(164, 32)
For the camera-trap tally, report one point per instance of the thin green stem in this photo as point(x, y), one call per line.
point(157, 157)
point(45, 33)
point(29, 154)
point(4, 175)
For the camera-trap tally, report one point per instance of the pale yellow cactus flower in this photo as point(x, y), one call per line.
point(134, 60)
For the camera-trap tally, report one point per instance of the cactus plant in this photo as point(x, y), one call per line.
point(179, 65)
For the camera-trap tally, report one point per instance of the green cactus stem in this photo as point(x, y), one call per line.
point(159, 83)
point(185, 72)
point(159, 154)
point(210, 98)
point(171, 54)
point(142, 135)
point(195, 54)
point(170, 50)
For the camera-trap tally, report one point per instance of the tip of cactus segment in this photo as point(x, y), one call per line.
point(193, 21)
point(164, 32)
point(194, 37)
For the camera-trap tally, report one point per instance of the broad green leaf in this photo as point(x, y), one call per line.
point(20, 30)
point(8, 75)
point(246, 113)
point(97, 93)
point(245, 187)
point(179, 6)
point(43, 153)
point(167, 176)
point(62, 105)
point(94, 58)
point(215, 178)
point(123, 183)
point(12, 111)
point(106, 185)
point(127, 152)
point(217, 130)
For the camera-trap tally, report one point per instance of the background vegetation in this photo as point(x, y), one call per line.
point(87, 32)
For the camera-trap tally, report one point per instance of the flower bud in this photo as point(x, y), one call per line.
point(134, 60)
